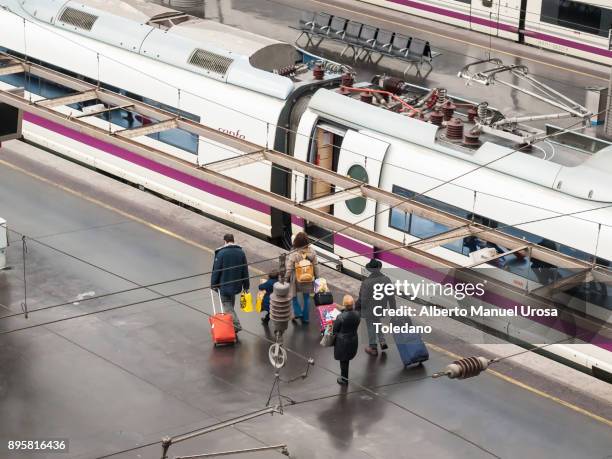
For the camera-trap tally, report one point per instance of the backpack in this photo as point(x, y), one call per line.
point(304, 271)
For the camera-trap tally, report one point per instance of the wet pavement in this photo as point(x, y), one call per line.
point(117, 380)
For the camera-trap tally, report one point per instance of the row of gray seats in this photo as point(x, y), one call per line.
point(363, 40)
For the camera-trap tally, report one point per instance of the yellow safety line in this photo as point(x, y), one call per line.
point(447, 37)
point(522, 385)
point(202, 247)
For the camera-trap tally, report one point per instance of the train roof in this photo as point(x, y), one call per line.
point(582, 174)
point(201, 46)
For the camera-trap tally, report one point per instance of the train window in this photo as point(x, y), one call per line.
point(176, 137)
point(35, 85)
point(357, 205)
point(422, 227)
point(579, 16)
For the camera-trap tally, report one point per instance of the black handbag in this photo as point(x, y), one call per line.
point(323, 298)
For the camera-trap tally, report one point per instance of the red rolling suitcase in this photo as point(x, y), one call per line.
point(327, 313)
point(221, 324)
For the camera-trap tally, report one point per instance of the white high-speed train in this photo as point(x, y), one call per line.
point(255, 88)
point(573, 27)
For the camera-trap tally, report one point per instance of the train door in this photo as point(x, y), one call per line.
point(361, 157)
point(485, 16)
point(500, 18)
point(325, 153)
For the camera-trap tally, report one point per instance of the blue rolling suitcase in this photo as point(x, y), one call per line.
point(411, 348)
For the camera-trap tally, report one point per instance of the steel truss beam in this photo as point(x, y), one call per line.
point(566, 283)
point(148, 129)
point(70, 99)
point(11, 69)
point(333, 198)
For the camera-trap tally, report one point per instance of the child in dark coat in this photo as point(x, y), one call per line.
point(268, 287)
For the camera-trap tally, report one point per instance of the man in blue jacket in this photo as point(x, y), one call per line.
point(230, 275)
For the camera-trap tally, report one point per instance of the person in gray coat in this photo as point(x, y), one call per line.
point(366, 302)
point(301, 249)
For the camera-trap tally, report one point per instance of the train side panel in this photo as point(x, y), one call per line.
point(574, 28)
point(498, 17)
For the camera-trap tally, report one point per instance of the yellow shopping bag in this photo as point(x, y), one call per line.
point(246, 301)
point(259, 300)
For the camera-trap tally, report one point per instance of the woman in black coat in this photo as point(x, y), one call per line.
point(346, 343)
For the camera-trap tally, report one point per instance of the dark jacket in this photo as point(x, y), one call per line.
point(268, 286)
point(365, 302)
point(345, 329)
point(230, 271)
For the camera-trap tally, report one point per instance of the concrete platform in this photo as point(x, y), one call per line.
point(122, 379)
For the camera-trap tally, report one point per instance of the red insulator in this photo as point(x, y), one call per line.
point(347, 80)
point(393, 85)
point(366, 97)
point(436, 118)
point(448, 108)
point(318, 72)
point(472, 113)
point(454, 129)
point(287, 71)
point(471, 138)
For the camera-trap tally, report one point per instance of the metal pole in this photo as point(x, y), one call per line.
point(24, 251)
point(168, 441)
point(283, 449)
point(543, 99)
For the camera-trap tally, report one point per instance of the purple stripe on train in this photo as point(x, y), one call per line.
point(148, 164)
point(340, 240)
point(457, 15)
point(568, 43)
point(507, 27)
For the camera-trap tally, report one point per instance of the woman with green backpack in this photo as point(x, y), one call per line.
point(302, 269)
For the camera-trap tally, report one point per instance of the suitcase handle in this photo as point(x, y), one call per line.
point(212, 297)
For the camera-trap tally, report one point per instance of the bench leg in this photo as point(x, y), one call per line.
point(430, 69)
point(365, 52)
point(297, 40)
point(418, 70)
point(408, 68)
point(308, 36)
point(321, 40)
point(346, 48)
